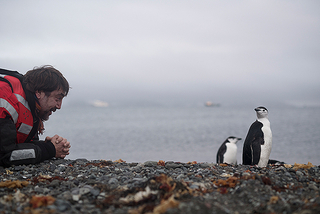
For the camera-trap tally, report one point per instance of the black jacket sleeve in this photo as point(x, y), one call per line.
point(22, 153)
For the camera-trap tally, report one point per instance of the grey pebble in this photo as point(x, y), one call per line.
point(62, 205)
point(150, 163)
point(113, 181)
point(172, 165)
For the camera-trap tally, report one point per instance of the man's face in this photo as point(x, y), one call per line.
point(49, 103)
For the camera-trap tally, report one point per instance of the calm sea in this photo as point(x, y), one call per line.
point(183, 134)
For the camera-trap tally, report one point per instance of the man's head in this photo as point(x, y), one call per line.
point(49, 86)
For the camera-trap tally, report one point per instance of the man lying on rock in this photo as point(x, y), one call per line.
point(25, 102)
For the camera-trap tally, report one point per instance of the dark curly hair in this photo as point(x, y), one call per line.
point(46, 79)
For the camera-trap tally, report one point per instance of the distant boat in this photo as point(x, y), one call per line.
point(211, 104)
point(99, 103)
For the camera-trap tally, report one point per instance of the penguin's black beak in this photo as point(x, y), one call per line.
point(239, 138)
point(256, 109)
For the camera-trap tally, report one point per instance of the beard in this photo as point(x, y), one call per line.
point(44, 115)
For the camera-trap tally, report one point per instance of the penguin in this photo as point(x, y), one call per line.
point(258, 142)
point(227, 152)
point(275, 162)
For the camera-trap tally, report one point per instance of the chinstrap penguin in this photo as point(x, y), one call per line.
point(258, 143)
point(275, 162)
point(227, 152)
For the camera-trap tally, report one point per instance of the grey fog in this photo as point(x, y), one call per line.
point(159, 52)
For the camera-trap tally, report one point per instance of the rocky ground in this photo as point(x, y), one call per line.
point(82, 186)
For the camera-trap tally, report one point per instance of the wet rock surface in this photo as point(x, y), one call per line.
point(82, 186)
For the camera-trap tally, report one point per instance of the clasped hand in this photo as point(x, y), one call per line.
point(61, 144)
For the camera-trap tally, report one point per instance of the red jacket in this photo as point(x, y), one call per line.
point(19, 142)
point(15, 105)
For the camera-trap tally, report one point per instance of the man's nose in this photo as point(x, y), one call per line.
point(59, 104)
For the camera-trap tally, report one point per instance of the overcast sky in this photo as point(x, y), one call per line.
point(223, 51)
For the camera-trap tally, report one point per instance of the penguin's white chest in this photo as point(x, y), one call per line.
point(266, 147)
point(230, 156)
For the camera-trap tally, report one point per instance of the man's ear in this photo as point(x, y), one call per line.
point(39, 94)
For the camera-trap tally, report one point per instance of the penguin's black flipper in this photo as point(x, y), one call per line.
point(256, 148)
point(247, 154)
point(220, 153)
point(251, 147)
